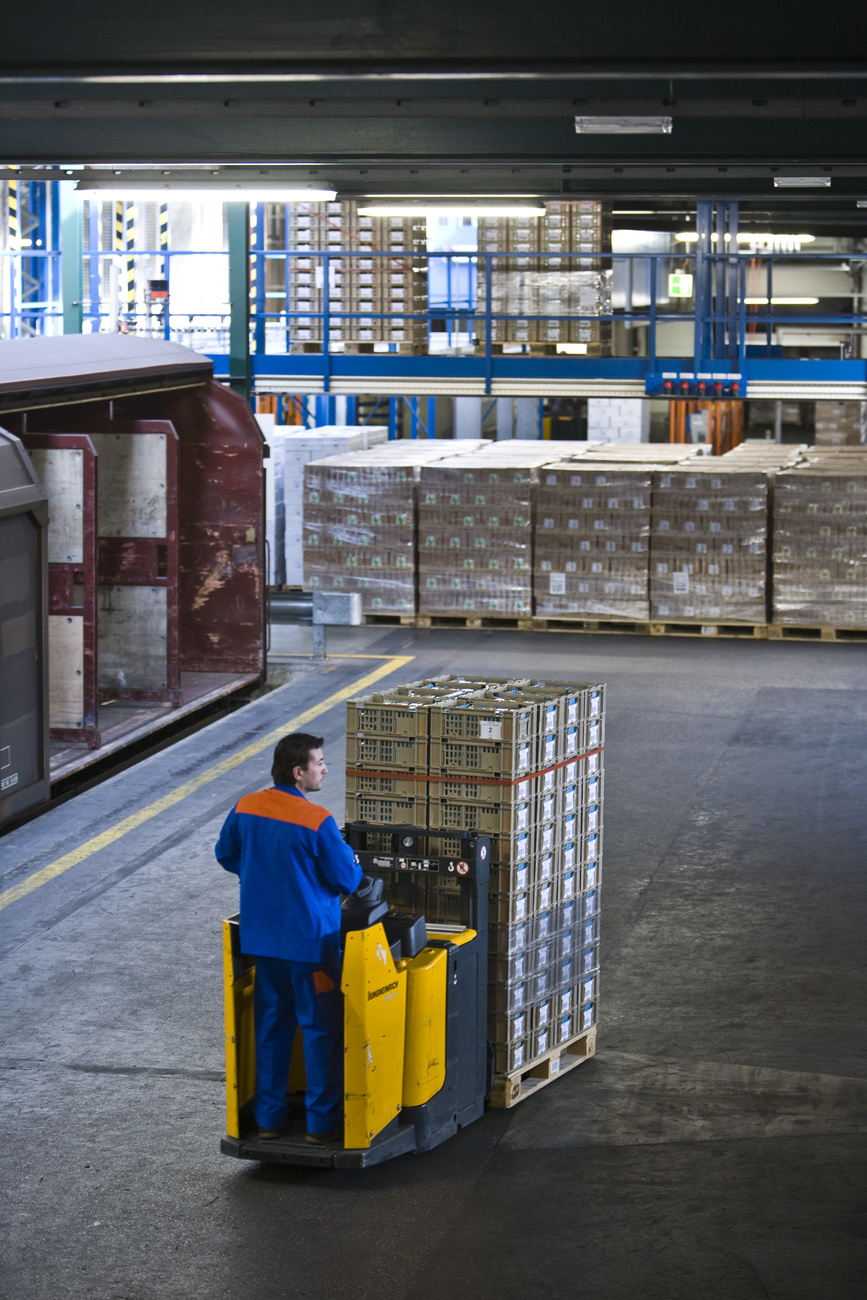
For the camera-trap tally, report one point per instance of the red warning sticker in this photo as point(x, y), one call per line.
point(462, 868)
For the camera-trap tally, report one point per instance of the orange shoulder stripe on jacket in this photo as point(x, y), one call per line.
point(283, 807)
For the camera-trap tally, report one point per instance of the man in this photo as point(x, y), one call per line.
point(293, 865)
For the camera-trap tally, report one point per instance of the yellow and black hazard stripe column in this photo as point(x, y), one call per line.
point(13, 241)
point(118, 248)
point(129, 263)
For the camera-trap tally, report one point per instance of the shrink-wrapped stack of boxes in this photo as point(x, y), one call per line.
point(592, 539)
point(475, 536)
point(360, 523)
point(709, 543)
point(820, 541)
point(528, 286)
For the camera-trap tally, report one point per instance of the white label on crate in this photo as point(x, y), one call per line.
point(591, 846)
point(595, 701)
point(543, 955)
point(555, 1066)
point(520, 962)
point(547, 837)
point(568, 855)
point(523, 756)
point(490, 731)
point(545, 896)
point(587, 990)
point(680, 582)
point(546, 870)
point(519, 1024)
point(568, 885)
point(571, 771)
point(594, 734)
point(587, 1018)
point(572, 716)
point(557, 584)
point(569, 799)
point(592, 875)
point(550, 742)
point(518, 996)
point(520, 907)
point(523, 815)
point(542, 1012)
point(523, 789)
point(542, 1043)
point(519, 1054)
point(548, 782)
point(547, 806)
point(593, 789)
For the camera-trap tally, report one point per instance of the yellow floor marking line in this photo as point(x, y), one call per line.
point(116, 832)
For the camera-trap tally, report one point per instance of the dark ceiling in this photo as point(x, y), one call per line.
point(387, 97)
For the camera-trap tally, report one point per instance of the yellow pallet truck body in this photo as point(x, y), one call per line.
point(416, 1060)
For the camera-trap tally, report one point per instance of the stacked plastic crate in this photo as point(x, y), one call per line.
point(475, 536)
point(592, 540)
point(522, 762)
point(709, 543)
point(820, 541)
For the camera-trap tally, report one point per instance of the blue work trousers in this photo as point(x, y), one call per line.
point(290, 994)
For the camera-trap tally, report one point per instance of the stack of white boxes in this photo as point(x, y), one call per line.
point(618, 419)
point(291, 450)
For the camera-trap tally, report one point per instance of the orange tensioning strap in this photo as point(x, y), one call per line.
point(476, 780)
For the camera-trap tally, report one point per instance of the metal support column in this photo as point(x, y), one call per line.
point(732, 281)
point(393, 411)
point(239, 298)
point(701, 342)
point(71, 258)
point(718, 332)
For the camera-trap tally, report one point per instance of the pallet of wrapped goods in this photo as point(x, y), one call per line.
point(592, 539)
point(359, 523)
point(840, 424)
point(475, 535)
point(709, 543)
point(820, 543)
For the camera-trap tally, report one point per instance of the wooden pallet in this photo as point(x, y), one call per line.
point(697, 628)
point(389, 620)
point(821, 632)
point(476, 621)
point(587, 623)
point(509, 1089)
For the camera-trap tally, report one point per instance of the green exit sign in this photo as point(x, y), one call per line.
point(680, 285)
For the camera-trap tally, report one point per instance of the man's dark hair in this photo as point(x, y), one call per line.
point(291, 752)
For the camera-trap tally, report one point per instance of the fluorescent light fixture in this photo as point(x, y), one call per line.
point(452, 209)
point(777, 243)
point(802, 182)
point(149, 191)
point(598, 125)
point(781, 302)
point(632, 212)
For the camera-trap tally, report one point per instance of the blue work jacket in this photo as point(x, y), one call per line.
point(293, 864)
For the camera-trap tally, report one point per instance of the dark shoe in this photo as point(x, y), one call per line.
point(333, 1137)
point(271, 1134)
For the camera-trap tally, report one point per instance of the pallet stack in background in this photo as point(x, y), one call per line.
point(820, 540)
point(709, 543)
point(521, 761)
point(526, 285)
point(840, 424)
point(475, 535)
point(360, 285)
point(360, 523)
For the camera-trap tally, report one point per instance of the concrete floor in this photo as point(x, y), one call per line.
point(715, 1148)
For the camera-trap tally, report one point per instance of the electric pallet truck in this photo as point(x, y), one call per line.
point(417, 1065)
